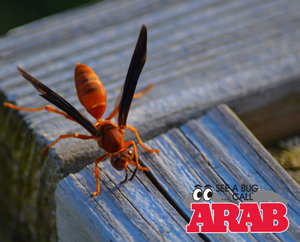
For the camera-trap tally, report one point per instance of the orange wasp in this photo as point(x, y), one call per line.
point(92, 96)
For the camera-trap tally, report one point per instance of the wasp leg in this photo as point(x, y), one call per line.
point(48, 108)
point(99, 159)
point(78, 136)
point(126, 176)
point(136, 163)
point(138, 166)
point(133, 174)
point(116, 110)
point(142, 93)
point(113, 113)
point(132, 129)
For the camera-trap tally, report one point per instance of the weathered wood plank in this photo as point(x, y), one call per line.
point(133, 211)
point(215, 149)
point(226, 157)
point(208, 170)
point(243, 51)
point(246, 159)
point(176, 179)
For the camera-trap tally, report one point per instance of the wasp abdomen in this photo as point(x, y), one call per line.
point(90, 90)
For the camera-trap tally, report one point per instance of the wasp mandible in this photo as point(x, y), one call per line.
point(92, 96)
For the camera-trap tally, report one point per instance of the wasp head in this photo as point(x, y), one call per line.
point(120, 160)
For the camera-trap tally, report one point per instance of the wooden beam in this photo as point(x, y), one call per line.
point(215, 149)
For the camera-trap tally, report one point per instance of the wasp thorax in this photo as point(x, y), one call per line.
point(119, 160)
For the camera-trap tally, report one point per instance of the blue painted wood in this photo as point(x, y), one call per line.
point(215, 149)
point(264, 164)
point(241, 159)
point(131, 211)
point(176, 179)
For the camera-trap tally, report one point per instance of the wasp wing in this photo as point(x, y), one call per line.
point(118, 101)
point(61, 103)
point(135, 68)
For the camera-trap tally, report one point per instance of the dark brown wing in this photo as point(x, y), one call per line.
point(59, 102)
point(135, 68)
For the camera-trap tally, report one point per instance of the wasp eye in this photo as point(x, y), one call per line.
point(197, 194)
point(129, 152)
point(207, 194)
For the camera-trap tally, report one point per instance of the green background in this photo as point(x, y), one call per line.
point(14, 13)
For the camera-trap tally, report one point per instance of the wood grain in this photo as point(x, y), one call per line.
point(215, 149)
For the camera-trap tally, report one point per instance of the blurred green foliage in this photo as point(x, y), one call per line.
point(14, 13)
